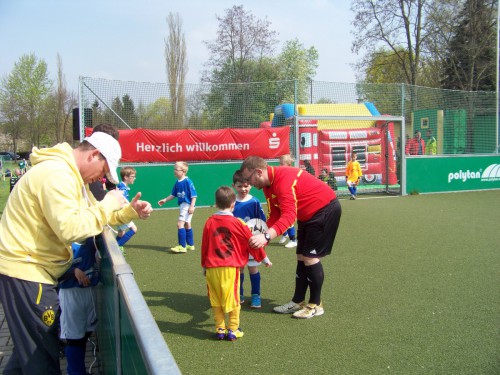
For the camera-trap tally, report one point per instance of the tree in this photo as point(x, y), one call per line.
point(12, 117)
point(241, 38)
point(61, 103)
point(470, 63)
point(24, 94)
point(128, 111)
point(177, 67)
point(396, 25)
point(295, 62)
point(121, 114)
point(384, 66)
point(440, 22)
point(154, 115)
point(241, 53)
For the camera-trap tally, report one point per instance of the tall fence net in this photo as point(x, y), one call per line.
point(449, 122)
point(462, 122)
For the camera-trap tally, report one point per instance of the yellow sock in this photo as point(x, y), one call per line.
point(234, 318)
point(219, 317)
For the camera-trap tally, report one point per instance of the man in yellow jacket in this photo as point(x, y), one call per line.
point(49, 208)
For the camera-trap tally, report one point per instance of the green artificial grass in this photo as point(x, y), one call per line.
point(5, 184)
point(412, 287)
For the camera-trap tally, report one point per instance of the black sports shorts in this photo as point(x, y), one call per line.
point(316, 236)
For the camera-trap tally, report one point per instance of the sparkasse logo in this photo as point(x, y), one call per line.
point(274, 142)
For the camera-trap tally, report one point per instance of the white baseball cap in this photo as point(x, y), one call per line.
point(110, 149)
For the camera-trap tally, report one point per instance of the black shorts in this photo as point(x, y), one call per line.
point(316, 236)
point(31, 309)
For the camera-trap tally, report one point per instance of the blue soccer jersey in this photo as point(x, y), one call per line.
point(121, 186)
point(184, 191)
point(249, 208)
point(84, 258)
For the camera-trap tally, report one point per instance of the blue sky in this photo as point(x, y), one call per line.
point(124, 39)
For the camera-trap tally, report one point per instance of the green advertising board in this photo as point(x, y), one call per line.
point(155, 181)
point(452, 173)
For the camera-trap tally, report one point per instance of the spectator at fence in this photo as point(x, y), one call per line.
point(416, 145)
point(186, 195)
point(431, 145)
point(294, 194)
point(328, 178)
point(76, 287)
point(224, 250)
point(353, 175)
point(45, 213)
point(248, 207)
point(309, 168)
point(97, 187)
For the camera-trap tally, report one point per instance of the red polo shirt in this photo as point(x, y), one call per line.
point(293, 195)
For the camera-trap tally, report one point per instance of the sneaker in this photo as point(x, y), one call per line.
point(221, 334)
point(122, 250)
point(233, 335)
point(309, 311)
point(283, 239)
point(256, 304)
point(178, 249)
point(289, 307)
point(242, 299)
point(291, 244)
point(190, 247)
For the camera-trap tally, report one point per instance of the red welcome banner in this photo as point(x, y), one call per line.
point(143, 145)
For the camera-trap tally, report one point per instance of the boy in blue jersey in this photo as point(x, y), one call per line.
point(185, 193)
point(77, 298)
point(248, 207)
point(126, 231)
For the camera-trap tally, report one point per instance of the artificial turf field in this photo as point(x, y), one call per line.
point(412, 287)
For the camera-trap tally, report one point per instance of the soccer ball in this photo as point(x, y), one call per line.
point(257, 226)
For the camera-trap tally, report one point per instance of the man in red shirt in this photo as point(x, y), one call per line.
point(416, 145)
point(292, 194)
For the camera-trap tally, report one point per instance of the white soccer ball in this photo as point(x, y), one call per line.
point(257, 226)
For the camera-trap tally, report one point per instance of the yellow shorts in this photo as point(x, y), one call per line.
point(223, 284)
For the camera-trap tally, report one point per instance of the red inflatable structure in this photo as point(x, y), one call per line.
point(331, 149)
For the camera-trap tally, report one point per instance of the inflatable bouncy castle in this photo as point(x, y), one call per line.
point(327, 144)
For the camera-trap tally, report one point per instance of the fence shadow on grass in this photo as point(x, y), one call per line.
point(161, 249)
point(200, 325)
point(196, 306)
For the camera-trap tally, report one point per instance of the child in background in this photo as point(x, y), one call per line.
point(224, 250)
point(248, 207)
point(185, 193)
point(332, 181)
point(23, 165)
point(287, 160)
point(328, 178)
point(14, 178)
point(324, 175)
point(77, 297)
point(126, 231)
point(353, 174)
